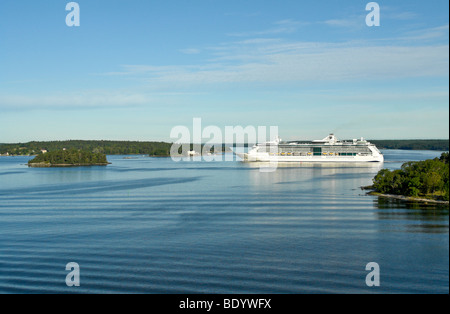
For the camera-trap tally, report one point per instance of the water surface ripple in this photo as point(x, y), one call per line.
point(150, 225)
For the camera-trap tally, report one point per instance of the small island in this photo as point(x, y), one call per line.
point(423, 181)
point(68, 158)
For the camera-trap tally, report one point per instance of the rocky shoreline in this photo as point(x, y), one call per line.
point(408, 198)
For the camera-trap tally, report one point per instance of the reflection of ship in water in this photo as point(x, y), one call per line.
point(326, 165)
point(328, 180)
point(329, 149)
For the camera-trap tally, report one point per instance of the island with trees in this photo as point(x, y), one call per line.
point(68, 158)
point(426, 180)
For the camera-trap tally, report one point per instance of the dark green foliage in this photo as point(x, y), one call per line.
point(442, 145)
point(428, 178)
point(70, 157)
point(104, 147)
point(444, 158)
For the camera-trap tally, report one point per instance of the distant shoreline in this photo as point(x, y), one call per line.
point(163, 148)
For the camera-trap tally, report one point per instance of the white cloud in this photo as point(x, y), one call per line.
point(190, 51)
point(440, 32)
point(90, 99)
point(281, 61)
point(406, 15)
point(287, 26)
point(350, 23)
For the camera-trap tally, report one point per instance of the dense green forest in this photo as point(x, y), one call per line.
point(440, 145)
point(428, 178)
point(69, 157)
point(104, 147)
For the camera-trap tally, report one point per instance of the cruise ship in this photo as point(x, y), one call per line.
point(329, 149)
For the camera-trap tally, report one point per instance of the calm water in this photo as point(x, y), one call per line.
point(149, 225)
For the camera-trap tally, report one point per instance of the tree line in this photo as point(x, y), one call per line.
point(439, 145)
point(428, 178)
point(104, 147)
point(163, 148)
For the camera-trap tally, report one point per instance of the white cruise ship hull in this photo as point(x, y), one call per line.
point(262, 157)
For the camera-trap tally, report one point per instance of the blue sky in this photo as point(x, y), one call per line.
point(135, 69)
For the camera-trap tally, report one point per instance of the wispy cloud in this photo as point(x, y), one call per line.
point(357, 21)
point(264, 60)
point(403, 16)
point(91, 99)
point(82, 99)
point(287, 26)
point(440, 32)
point(190, 51)
point(390, 12)
point(287, 61)
point(348, 23)
point(243, 14)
